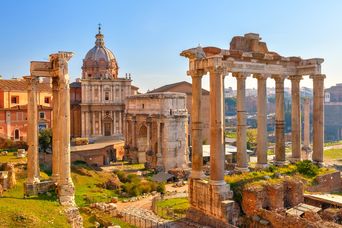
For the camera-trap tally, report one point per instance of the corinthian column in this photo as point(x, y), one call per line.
point(32, 129)
point(55, 129)
point(262, 122)
point(279, 120)
point(318, 117)
point(306, 130)
point(65, 185)
point(295, 118)
point(242, 158)
point(196, 125)
point(217, 155)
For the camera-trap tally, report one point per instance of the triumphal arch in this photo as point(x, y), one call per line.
point(247, 56)
point(57, 69)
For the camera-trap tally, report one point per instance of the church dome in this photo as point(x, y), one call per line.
point(100, 51)
point(100, 62)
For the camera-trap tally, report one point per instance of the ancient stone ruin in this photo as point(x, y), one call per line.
point(57, 69)
point(156, 126)
point(210, 201)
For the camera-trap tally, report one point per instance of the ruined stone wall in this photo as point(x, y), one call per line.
point(327, 183)
point(286, 193)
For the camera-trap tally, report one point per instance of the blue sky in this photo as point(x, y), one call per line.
point(147, 36)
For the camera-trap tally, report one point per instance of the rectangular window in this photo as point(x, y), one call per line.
point(106, 96)
point(47, 100)
point(15, 99)
point(41, 115)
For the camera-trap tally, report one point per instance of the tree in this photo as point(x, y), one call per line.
point(45, 139)
point(251, 138)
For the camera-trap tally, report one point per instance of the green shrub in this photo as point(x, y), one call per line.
point(307, 168)
point(161, 188)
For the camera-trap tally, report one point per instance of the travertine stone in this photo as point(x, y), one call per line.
point(241, 143)
point(196, 124)
point(216, 127)
point(32, 137)
point(306, 130)
point(318, 117)
point(279, 120)
point(262, 122)
point(295, 120)
point(55, 130)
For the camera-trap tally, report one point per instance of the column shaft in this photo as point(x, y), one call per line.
point(262, 122)
point(241, 143)
point(318, 117)
point(306, 130)
point(55, 129)
point(217, 156)
point(196, 126)
point(279, 121)
point(296, 118)
point(32, 129)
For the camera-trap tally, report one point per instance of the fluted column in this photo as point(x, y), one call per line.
point(306, 130)
point(32, 129)
point(217, 156)
point(241, 143)
point(279, 120)
point(262, 122)
point(55, 129)
point(318, 117)
point(196, 125)
point(148, 143)
point(295, 118)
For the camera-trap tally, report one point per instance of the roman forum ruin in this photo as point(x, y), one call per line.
point(157, 124)
point(210, 201)
point(57, 69)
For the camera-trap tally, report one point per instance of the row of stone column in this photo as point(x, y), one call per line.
point(217, 156)
point(60, 132)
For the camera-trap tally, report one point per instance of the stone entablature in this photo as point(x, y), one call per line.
point(156, 126)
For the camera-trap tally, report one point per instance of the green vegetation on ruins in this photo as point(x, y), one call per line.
point(333, 154)
point(173, 208)
point(305, 170)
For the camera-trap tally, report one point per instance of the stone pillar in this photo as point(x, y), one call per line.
point(100, 123)
point(279, 121)
point(159, 148)
point(120, 122)
point(148, 143)
point(55, 129)
point(306, 130)
point(295, 118)
point(94, 122)
point(134, 133)
point(318, 117)
point(196, 125)
point(241, 143)
point(114, 122)
point(217, 156)
point(262, 122)
point(32, 129)
point(65, 184)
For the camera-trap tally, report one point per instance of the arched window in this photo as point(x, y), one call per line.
point(16, 134)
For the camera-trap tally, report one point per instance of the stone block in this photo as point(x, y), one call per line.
point(253, 198)
point(21, 153)
point(294, 192)
point(4, 179)
point(275, 195)
point(330, 182)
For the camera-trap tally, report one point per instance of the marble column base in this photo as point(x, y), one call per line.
point(319, 164)
point(197, 174)
point(280, 163)
point(294, 160)
point(242, 169)
point(261, 166)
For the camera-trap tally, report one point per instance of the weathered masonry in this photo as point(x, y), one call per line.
point(57, 69)
point(247, 56)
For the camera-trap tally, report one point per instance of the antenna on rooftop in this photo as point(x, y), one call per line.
point(99, 28)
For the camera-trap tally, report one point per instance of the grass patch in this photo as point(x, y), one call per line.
point(90, 219)
point(89, 185)
point(173, 208)
point(333, 154)
point(10, 157)
point(39, 211)
point(333, 143)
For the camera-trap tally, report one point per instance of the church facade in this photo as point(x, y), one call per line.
point(103, 93)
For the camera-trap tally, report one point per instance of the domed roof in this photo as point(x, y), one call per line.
point(100, 51)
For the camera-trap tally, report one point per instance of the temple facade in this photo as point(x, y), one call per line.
point(103, 92)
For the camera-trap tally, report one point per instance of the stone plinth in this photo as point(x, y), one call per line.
point(4, 179)
point(38, 188)
point(210, 204)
